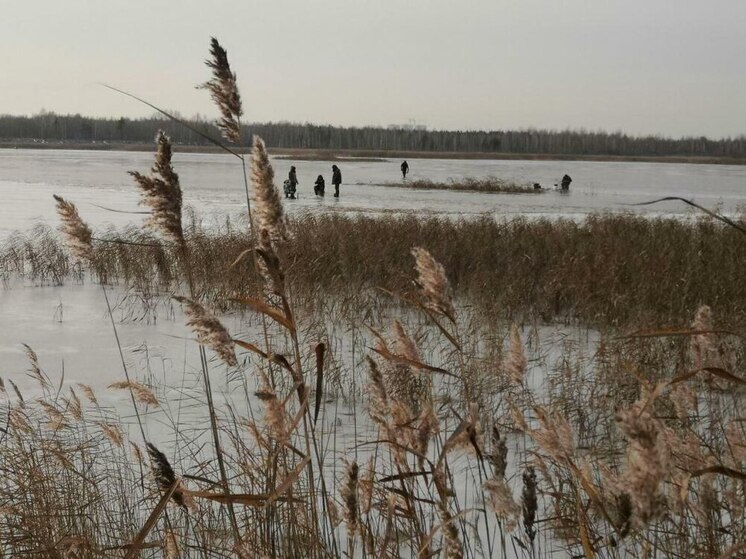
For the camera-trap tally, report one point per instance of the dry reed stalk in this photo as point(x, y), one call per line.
point(267, 210)
point(209, 330)
point(76, 232)
point(432, 280)
point(161, 192)
point(515, 363)
point(224, 92)
point(142, 393)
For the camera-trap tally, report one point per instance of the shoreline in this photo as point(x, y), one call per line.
point(310, 154)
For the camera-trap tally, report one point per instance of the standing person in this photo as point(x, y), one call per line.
point(336, 179)
point(292, 181)
point(318, 186)
point(404, 170)
point(566, 180)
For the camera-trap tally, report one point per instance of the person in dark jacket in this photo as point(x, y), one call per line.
point(318, 186)
point(292, 182)
point(565, 184)
point(404, 170)
point(336, 179)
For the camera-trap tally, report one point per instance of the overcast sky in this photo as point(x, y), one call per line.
point(675, 67)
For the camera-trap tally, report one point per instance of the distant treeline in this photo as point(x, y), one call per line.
point(52, 127)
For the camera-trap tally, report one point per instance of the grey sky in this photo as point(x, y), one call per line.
point(643, 66)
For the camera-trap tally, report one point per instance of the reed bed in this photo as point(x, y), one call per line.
point(608, 270)
point(470, 184)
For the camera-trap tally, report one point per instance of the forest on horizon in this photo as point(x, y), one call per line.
point(54, 128)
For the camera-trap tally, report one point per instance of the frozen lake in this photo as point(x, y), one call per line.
point(213, 184)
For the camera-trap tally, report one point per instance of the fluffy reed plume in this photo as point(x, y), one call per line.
point(19, 422)
point(467, 436)
point(378, 402)
point(275, 415)
point(74, 406)
point(137, 453)
point(501, 502)
point(499, 455)
point(647, 462)
point(164, 474)
point(224, 92)
point(113, 433)
point(56, 418)
point(88, 392)
point(349, 494)
point(35, 370)
point(78, 235)
point(142, 393)
point(428, 426)
point(161, 192)
point(702, 345)
point(515, 362)
point(403, 344)
point(18, 394)
point(209, 330)
point(451, 537)
point(530, 503)
point(554, 436)
point(171, 545)
point(432, 280)
point(684, 400)
point(267, 210)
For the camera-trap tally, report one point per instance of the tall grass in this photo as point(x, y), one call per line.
point(606, 270)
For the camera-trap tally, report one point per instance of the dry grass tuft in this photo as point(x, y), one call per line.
point(161, 192)
point(224, 92)
point(209, 330)
point(77, 233)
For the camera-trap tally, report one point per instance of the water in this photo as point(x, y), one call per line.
point(213, 184)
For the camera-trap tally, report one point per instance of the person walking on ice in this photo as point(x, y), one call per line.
point(336, 179)
point(404, 170)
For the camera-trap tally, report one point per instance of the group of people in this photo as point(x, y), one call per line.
point(291, 183)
